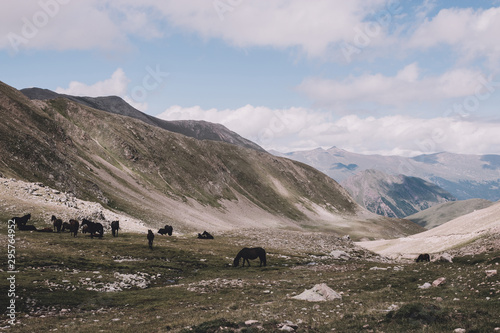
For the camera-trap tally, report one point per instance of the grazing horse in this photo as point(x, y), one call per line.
point(151, 237)
point(93, 228)
point(73, 227)
point(21, 221)
point(57, 223)
point(250, 253)
point(115, 225)
point(423, 257)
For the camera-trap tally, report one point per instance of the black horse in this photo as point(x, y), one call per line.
point(115, 225)
point(21, 221)
point(423, 257)
point(151, 237)
point(94, 228)
point(250, 253)
point(57, 223)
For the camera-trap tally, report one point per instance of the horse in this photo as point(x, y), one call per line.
point(423, 257)
point(85, 229)
point(26, 227)
point(151, 237)
point(115, 225)
point(205, 235)
point(162, 231)
point(250, 253)
point(169, 229)
point(73, 227)
point(57, 223)
point(21, 221)
point(93, 228)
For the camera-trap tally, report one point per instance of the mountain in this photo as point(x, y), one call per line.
point(162, 177)
point(200, 130)
point(464, 176)
point(442, 213)
point(477, 232)
point(394, 195)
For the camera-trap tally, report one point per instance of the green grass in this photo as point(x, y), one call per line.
point(193, 288)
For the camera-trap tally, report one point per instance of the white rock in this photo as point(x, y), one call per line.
point(492, 272)
point(426, 285)
point(319, 293)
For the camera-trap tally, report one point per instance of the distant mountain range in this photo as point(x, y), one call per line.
point(464, 176)
point(394, 195)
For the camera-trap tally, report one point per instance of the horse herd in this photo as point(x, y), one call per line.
point(96, 229)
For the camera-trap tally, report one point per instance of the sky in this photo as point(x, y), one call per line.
point(369, 76)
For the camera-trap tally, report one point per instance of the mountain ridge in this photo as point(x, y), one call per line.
point(199, 129)
point(464, 176)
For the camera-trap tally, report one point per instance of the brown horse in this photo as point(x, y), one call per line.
point(57, 223)
point(73, 227)
point(151, 237)
point(250, 253)
point(115, 225)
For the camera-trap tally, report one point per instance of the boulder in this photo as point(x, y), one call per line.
point(319, 293)
point(490, 273)
point(439, 282)
point(445, 257)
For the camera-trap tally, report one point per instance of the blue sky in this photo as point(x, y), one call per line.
point(369, 76)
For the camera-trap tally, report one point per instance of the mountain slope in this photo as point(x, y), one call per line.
point(442, 213)
point(163, 177)
point(481, 224)
point(201, 130)
point(464, 176)
point(394, 196)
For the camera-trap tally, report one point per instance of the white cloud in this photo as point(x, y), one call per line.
point(116, 85)
point(59, 25)
point(474, 33)
point(299, 128)
point(313, 27)
point(407, 86)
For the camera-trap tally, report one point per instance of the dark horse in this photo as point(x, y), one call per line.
point(93, 228)
point(21, 221)
point(205, 235)
point(57, 223)
point(151, 237)
point(73, 227)
point(423, 257)
point(115, 225)
point(250, 253)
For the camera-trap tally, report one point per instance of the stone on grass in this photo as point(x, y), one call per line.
point(319, 293)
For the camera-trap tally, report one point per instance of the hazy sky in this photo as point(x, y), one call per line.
point(369, 76)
